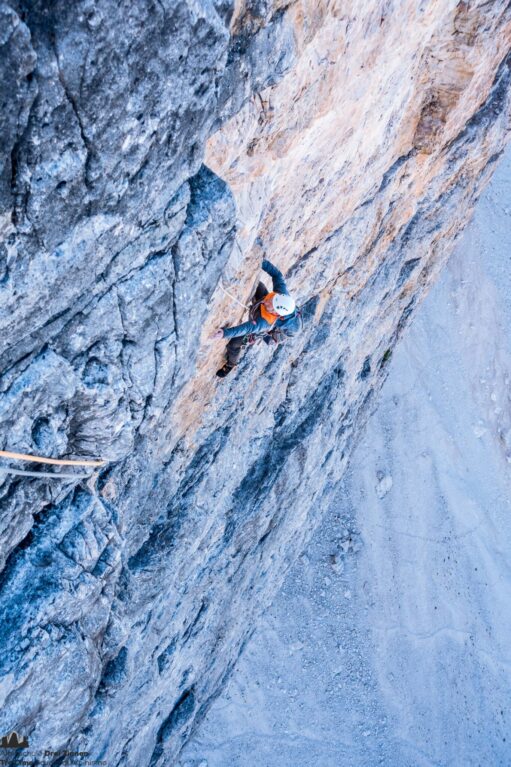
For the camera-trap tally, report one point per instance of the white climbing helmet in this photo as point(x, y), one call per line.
point(283, 304)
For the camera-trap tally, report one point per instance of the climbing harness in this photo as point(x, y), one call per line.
point(251, 339)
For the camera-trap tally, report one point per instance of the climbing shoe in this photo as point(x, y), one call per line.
point(225, 370)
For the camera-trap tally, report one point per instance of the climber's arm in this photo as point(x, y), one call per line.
point(279, 283)
point(260, 326)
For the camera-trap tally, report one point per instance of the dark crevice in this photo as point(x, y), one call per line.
point(180, 714)
point(192, 628)
point(492, 108)
point(174, 294)
point(89, 147)
point(20, 192)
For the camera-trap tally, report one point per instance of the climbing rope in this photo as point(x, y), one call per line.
point(233, 297)
point(53, 461)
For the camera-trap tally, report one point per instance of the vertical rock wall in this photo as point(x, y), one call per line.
point(348, 144)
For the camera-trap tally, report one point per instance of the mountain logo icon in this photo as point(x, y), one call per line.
point(13, 741)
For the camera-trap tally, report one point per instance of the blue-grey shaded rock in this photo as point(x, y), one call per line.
point(126, 598)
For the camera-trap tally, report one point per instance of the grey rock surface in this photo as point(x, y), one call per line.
point(126, 599)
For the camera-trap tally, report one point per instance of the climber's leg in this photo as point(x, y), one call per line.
point(233, 351)
point(235, 346)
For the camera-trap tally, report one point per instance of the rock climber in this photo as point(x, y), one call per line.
point(272, 316)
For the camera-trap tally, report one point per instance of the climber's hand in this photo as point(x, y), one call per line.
point(216, 334)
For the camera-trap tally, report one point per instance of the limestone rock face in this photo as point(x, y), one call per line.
point(152, 153)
